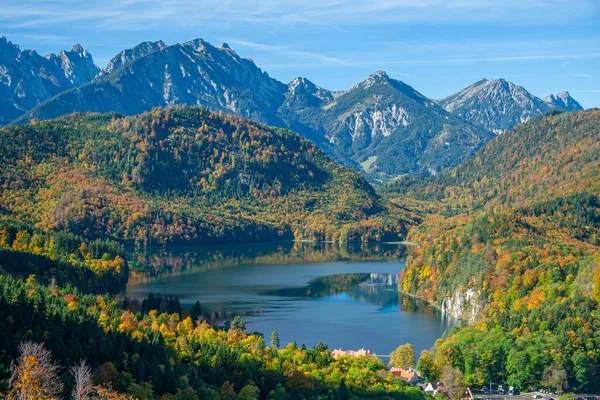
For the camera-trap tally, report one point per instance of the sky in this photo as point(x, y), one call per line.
point(436, 46)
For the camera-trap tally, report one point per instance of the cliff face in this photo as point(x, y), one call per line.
point(466, 306)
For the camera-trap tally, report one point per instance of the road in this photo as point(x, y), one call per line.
point(520, 396)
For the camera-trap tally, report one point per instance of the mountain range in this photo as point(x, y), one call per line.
point(381, 126)
point(27, 78)
point(500, 105)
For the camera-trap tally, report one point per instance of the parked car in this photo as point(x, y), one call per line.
point(537, 396)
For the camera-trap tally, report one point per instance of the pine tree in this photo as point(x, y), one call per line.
point(197, 314)
point(238, 323)
point(275, 340)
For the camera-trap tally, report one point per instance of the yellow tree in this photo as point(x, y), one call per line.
point(403, 356)
point(105, 393)
point(35, 376)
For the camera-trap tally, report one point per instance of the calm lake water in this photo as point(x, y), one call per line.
point(343, 295)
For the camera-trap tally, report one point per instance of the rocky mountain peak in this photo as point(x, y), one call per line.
point(301, 83)
point(5, 42)
point(564, 100)
point(27, 78)
point(380, 74)
point(79, 49)
point(497, 104)
point(501, 85)
point(8, 50)
point(376, 78)
point(77, 64)
point(129, 55)
point(198, 45)
point(304, 87)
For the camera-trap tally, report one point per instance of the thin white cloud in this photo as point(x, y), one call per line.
point(450, 60)
point(579, 75)
point(47, 38)
point(119, 15)
point(286, 51)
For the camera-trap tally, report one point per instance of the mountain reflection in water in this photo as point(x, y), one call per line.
point(380, 289)
point(157, 261)
point(345, 295)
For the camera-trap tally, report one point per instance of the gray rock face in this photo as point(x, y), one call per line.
point(129, 55)
point(388, 129)
point(564, 100)
point(496, 104)
point(192, 73)
point(27, 78)
point(465, 306)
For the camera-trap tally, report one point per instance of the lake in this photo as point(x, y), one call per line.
point(344, 295)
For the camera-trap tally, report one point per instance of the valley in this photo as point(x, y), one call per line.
point(181, 225)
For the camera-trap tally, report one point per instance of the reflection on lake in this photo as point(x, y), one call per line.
point(344, 295)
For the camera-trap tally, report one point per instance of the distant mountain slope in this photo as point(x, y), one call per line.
point(184, 174)
point(551, 155)
point(382, 124)
point(496, 104)
point(192, 73)
point(27, 78)
point(129, 55)
point(388, 127)
point(564, 101)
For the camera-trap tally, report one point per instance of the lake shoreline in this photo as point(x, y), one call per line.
point(308, 292)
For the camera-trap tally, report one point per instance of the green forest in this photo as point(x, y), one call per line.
point(516, 230)
point(159, 351)
point(509, 242)
point(76, 190)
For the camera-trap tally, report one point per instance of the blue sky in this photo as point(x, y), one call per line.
point(436, 46)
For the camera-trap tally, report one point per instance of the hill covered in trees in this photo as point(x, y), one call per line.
point(513, 246)
point(183, 175)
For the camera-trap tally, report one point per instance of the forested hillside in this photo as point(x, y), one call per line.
point(61, 340)
point(514, 248)
point(183, 175)
point(74, 189)
point(552, 155)
point(60, 258)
